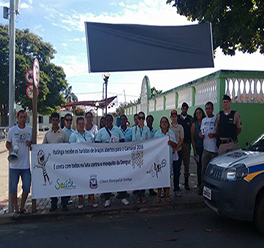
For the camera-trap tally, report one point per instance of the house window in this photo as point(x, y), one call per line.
point(40, 119)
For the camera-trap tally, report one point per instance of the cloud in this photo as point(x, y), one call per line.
point(72, 65)
point(151, 12)
point(25, 6)
point(122, 4)
point(64, 44)
point(4, 4)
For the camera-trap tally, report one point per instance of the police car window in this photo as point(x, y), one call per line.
point(257, 145)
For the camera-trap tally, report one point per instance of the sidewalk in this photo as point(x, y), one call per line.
point(188, 199)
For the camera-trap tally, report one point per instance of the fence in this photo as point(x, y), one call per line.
point(244, 87)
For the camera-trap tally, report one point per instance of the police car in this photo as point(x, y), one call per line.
point(234, 184)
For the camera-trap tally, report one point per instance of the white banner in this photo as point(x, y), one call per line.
point(91, 168)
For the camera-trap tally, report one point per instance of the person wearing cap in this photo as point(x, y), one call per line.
point(186, 121)
point(177, 155)
point(228, 126)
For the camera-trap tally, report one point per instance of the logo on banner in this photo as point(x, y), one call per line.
point(93, 182)
point(137, 158)
point(156, 168)
point(65, 185)
point(42, 165)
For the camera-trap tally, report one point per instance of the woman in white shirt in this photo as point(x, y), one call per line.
point(78, 136)
point(165, 131)
point(89, 126)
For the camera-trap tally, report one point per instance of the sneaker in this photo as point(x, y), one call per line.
point(177, 193)
point(125, 201)
point(16, 215)
point(80, 206)
point(107, 203)
point(95, 205)
point(53, 208)
point(23, 211)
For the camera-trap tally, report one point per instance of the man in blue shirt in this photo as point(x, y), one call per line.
point(109, 133)
point(150, 120)
point(67, 125)
point(127, 131)
point(139, 133)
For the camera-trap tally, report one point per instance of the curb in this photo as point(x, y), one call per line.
point(9, 219)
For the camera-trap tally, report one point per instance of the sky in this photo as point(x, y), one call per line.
point(61, 23)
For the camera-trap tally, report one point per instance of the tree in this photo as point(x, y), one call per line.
point(69, 95)
point(52, 78)
point(236, 24)
point(155, 92)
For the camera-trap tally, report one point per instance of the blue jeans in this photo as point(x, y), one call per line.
point(14, 178)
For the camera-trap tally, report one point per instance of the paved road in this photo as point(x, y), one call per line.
point(178, 228)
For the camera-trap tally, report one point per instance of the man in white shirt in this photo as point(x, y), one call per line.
point(208, 133)
point(19, 141)
point(56, 135)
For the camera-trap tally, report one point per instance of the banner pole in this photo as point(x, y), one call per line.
point(34, 132)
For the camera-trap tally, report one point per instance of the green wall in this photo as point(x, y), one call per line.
point(252, 114)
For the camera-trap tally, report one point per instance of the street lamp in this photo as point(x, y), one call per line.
point(97, 106)
point(105, 78)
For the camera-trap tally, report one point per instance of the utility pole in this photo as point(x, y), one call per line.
point(12, 37)
point(106, 77)
point(11, 102)
point(103, 99)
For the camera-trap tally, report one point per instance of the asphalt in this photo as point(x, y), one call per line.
point(188, 199)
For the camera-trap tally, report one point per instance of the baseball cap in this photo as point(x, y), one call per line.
point(174, 112)
point(226, 97)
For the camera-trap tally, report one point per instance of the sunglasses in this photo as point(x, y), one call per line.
point(141, 118)
point(68, 119)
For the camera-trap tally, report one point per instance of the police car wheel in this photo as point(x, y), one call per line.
point(259, 214)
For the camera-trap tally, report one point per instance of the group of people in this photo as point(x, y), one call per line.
point(209, 136)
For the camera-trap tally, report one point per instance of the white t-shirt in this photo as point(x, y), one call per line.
point(19, 136)
point(208, 126)
point(93, 131)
